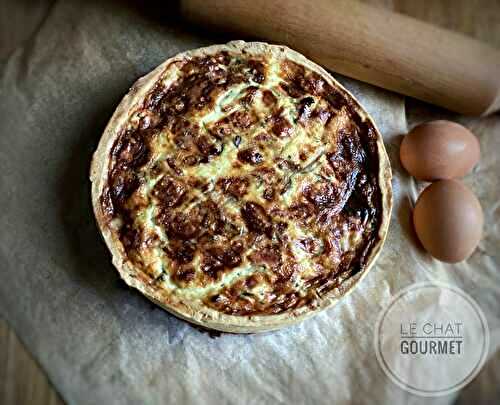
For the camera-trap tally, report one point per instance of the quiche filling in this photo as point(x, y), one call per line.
point(246, 184)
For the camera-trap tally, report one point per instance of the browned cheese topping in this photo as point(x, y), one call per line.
point(246, 184)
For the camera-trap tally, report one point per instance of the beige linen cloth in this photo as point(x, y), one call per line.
point(102, 343)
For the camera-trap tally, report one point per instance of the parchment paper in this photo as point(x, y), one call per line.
point(102, 343)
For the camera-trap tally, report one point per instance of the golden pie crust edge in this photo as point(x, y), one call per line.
point(204, 316)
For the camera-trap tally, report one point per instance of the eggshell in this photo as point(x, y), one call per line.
point(439, 150)
point(448, 220)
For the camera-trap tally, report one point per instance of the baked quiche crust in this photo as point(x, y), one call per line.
point(241, 188)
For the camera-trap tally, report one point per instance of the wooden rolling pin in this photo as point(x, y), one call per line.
point(370, 44)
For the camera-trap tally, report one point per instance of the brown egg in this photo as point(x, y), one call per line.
point(448, 220)
point(439, 150)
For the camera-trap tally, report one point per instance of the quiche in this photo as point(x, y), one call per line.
point(241, 188)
